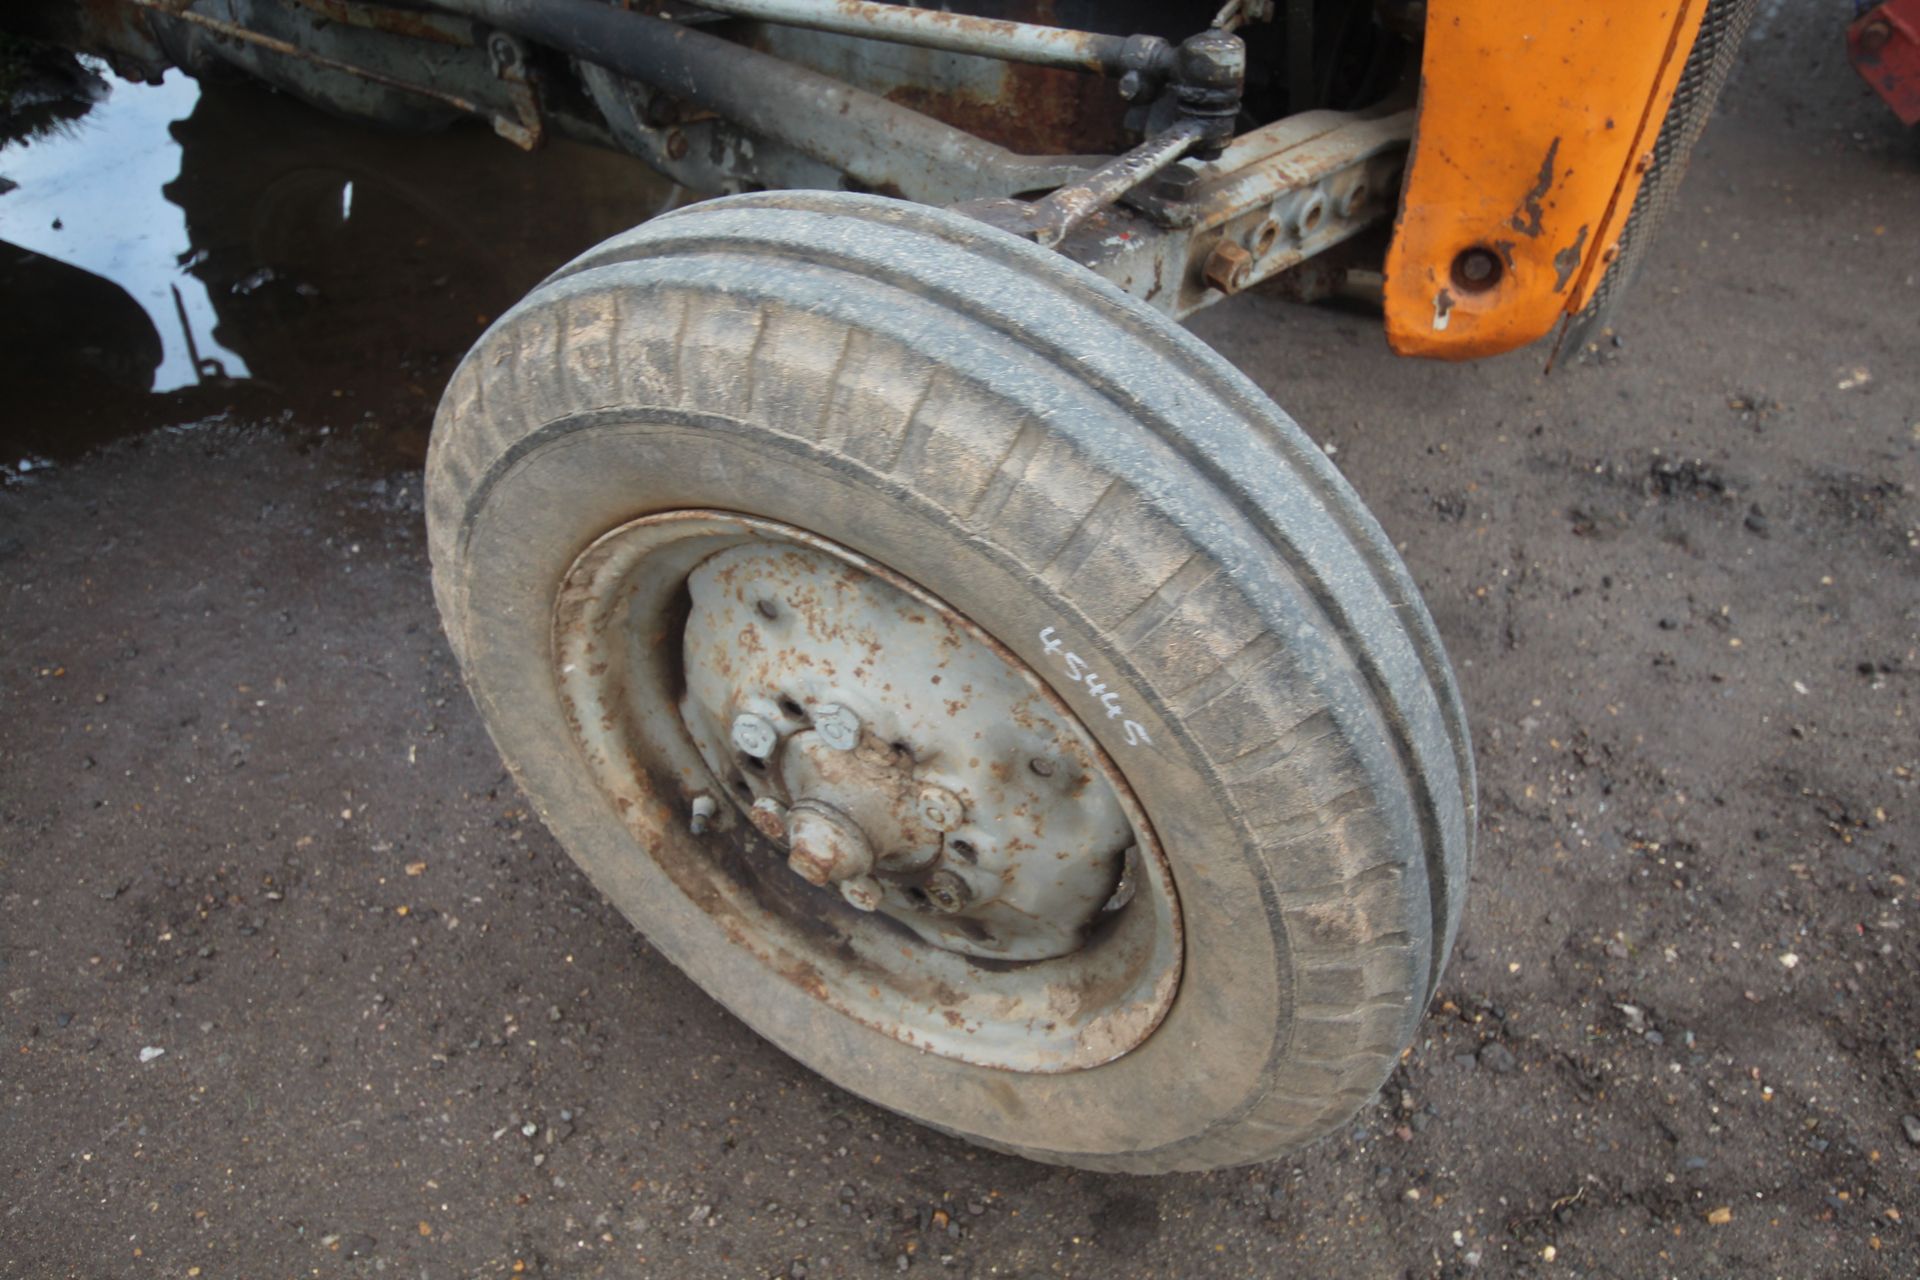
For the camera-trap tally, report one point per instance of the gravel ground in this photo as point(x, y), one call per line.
point(291, 984)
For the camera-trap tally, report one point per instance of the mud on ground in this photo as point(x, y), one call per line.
point(292, 984)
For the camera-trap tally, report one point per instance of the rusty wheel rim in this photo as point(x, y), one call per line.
point(867, 791)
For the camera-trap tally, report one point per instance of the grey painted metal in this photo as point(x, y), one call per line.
point(876, 143)
point(902, 746)
point(963, 33)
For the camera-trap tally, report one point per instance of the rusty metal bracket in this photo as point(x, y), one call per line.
point(1277, 196)
point(182, 10)
point(509, 58)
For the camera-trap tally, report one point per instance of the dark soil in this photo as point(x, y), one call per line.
point(249, 819)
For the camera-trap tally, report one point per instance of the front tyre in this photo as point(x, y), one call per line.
point(962, 673)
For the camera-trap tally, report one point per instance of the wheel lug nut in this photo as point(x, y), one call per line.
point(824, 846)
point(862, 893)
point(769, 818)
point(754, 735)
point(947, 892)
point(837, 726)
point(940, 808)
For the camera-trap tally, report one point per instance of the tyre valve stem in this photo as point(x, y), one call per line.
point(703, 811)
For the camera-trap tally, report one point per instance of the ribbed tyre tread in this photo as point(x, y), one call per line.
point(1055, 432)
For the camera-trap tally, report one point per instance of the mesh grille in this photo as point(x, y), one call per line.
point(1721, 32)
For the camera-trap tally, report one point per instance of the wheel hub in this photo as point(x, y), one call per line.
point(897, 756)
point(866, 792)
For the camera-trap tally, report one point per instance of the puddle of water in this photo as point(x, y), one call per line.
point(189, 250)
point(107, 217)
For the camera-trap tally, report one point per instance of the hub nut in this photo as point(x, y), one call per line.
point(863, 893)
point(940, 808)
point(826, 847)
point(769, 818)
point(754, 735)
point(837, 726)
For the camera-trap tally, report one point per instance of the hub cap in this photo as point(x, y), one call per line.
point(862, 776)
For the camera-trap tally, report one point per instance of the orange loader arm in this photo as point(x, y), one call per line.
point(1537, 123)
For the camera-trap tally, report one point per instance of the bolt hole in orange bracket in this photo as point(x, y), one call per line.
point(1537, 122)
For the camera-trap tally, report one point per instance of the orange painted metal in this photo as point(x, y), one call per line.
point(1537, 121)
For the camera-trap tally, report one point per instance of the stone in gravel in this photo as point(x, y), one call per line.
point(151, 1052)
point(62, 1019)
point(1497, 1058)
point(358, 1246)
point(1911, 1124)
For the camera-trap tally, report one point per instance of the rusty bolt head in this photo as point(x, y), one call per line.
point(863, 893)
point(505, 52)
point(769, 818)
point(939, 808)
point(676, 145)
point(947, 892)
point(754, 735)
point(1874, 36)
point(1476, 270)
point(826, 846)
point(1227, 267)
point(837, 726)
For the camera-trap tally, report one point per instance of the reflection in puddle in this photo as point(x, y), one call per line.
point(190, 249)
point(107, 216)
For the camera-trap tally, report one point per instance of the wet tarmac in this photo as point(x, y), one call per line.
point(186, 251)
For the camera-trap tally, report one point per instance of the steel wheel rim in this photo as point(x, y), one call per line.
point(636, 665)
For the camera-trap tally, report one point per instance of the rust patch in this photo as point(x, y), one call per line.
point(1527, 219)
point(1038, 111)
point(399, 22)
point(1567, 261)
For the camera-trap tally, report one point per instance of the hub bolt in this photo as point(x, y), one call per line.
point(837, 726)
point(754, 735)
point(940, 808)
point(825, 846)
